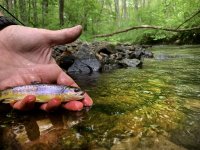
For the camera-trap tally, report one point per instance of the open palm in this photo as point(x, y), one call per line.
point(26, 57)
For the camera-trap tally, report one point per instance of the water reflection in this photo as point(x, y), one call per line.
point(37, 130)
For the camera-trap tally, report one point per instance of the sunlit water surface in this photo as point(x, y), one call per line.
point(157, 107)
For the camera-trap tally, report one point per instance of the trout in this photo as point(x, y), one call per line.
point(42, 92)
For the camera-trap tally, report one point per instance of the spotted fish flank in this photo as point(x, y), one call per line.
point(43, 93)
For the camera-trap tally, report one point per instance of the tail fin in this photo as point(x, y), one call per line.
point(6, 96)
point(1, 99)
point(7, 100)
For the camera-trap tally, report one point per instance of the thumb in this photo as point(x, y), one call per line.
point(64, 36)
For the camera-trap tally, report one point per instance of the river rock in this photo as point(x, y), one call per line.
point(99, 56)
point(66, 61)
point(130, 62)
point(85, 60)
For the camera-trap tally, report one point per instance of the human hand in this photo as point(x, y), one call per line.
point(26, 57)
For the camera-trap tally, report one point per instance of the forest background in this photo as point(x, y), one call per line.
point(107, 16)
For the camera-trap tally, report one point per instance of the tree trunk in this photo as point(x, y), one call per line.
point(148, 2)
point(29, 11)
point(117, 11)
point(61, 12)
point(35, 15)
point(117, 8)
point(9, 5)
point(143, 3)
point(84, 21)
point(136, 10)
point(44, 11)
point(166, 9)
point(97, 19)
point(22, 10)
point(109, 3)
point(124, 9)
point(136, 5)
point(15, 6)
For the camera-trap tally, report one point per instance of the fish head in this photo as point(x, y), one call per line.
point(73, 93)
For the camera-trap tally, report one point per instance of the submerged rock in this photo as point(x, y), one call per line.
point(149, 143)
point(130, 62)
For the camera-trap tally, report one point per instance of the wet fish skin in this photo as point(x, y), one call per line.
point(43, 93)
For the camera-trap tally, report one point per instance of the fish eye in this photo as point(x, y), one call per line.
point(77, 90)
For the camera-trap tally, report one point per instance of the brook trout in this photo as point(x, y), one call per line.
point(43, 93)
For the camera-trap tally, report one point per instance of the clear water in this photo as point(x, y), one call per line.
point(157, 107)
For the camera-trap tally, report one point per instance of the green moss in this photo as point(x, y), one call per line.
point(132, 102)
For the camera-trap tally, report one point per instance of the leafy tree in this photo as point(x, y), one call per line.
point(105, 16)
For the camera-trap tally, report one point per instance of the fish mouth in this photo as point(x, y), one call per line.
point(78, 91)
point(81, 93)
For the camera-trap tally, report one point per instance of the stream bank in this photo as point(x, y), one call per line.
point(85, 57)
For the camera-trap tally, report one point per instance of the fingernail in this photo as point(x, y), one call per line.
point(78, 26)
point(87, 101)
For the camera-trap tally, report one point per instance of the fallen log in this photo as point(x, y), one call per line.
point(147, 27)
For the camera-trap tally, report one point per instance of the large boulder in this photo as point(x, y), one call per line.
point(85, 60)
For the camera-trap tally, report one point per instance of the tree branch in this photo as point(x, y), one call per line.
point(147, 27)
point(189, 18)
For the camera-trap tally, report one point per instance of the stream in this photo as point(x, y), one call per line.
point(156, 107)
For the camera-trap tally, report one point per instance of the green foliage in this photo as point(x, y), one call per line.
point(100, 17)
